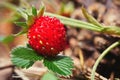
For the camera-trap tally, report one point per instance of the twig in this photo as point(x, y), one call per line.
point(8, 66)
point(97, 76)
point(21, 74)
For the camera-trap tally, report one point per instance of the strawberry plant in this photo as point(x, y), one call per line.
point(47, 38)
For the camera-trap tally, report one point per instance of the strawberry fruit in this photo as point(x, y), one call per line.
point(47, 36)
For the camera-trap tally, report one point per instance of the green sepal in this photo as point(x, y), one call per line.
point(41, 11)
point(34, 11)
point(21, 32)
point(10, 38)
point(30, 20)
point(21, 24)
point(61, 65)
point(7, 39)
point(22, 12)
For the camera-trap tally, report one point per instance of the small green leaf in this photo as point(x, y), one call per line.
point(21, 24)
point(90, 18)
point(8, 39)
point(60, 64)
point(41, 11)
point(24, 57)
point(34, 11)
point(50, 76)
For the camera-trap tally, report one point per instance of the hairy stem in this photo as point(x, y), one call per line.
point(101, 57)
point(73, 22)
point(76, 23)
point(114, 30)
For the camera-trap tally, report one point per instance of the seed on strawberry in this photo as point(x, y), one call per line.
point(47, 36)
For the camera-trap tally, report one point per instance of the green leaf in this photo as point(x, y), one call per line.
point(24, 57)
point(50, 76)
point(21, 24)
point(34, 11)
point(20, 62)
point(60, 64)
point(26, 53)
point(8, 39)
point(90, 18)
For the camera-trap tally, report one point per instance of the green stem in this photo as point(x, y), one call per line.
point(114, 30)
point(101, 57)
point(76, 23)
point(65, 20)
point(8, 5)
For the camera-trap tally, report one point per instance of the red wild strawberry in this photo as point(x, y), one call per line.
point(47, 36)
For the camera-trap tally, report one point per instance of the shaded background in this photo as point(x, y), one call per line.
point(83, 43)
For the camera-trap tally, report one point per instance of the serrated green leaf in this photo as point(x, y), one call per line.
point(8, 39)
point(34, 11)
point(24, 57)
point(90, 18)
point(21, 24)
point(50, 76)
point(60, 64)
point(20, 62)
point(26, 53)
